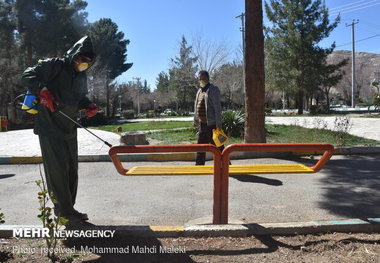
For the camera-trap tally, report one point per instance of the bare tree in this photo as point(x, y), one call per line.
point(165, 99)
point(330, 76)
point(210, 54)
point(362, 83)
point(365, 71)
point(375, 80)
point(229, 79)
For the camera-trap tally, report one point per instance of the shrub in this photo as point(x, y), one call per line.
point(49, 221)
point(97, 120)
point(342, 125)
point(2, 218)
point(128, 114)
point(318, 109)
point(183, 113)
point(376, 100)
point(268, 111)
point(152, 114)
point(233, 123)
point(172, 113)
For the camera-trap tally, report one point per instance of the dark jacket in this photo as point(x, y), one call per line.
point(68, 87)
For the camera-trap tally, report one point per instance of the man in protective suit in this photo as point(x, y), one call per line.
point(61, 85)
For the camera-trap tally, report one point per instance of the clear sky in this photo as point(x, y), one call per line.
point(155, 27)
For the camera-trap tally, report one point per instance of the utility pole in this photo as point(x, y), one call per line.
point(352, 25)
point(242, 29)
point(138, 84)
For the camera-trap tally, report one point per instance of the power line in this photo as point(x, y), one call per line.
point(368, 23)
point(369, 31)
point(353, 5)
point(338, 7)
point(359, 40)
point(352, 10)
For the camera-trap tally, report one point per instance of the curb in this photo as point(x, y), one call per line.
point(369, 225)
point(357, 150)
point(191, 156)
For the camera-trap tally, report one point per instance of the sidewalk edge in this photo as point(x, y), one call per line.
point(191, 156)
point(369, 225)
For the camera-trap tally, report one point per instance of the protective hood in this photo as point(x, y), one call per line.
point(83, 47)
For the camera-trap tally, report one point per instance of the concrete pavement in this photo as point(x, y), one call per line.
point(24, 143)
point(347, 188)
point(111, 199)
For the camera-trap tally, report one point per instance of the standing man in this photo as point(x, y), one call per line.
point(208, 113)
point(61, 85)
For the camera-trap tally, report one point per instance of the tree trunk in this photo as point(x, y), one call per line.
point(254, 73)
point(114, 106)
point(107, 98)
point(29, 49)
point(328, 101)
point(300, 102)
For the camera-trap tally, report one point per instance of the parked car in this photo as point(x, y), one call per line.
point(167, 111)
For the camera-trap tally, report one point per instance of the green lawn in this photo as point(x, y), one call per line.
point(296, 134)
point(144, 126)
point(275, 134)
point(175, 137)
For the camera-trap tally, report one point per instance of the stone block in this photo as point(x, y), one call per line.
point(133, 138)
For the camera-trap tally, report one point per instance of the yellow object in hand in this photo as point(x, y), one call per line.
point(219, 137)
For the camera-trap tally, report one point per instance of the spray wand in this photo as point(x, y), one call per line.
point(29, 104)
point(77, 123)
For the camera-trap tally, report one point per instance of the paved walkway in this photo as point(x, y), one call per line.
point(24, 143)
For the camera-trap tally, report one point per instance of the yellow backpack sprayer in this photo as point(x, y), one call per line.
point(28, 102)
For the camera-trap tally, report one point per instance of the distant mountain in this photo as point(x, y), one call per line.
point(367, 68)
point(362, 59)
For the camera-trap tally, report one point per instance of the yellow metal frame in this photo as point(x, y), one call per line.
point(209, 169)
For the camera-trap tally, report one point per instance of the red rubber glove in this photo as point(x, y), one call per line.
point(91, 110)
point(47, 99)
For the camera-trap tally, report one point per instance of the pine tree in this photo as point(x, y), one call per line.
point(63, 23)
point(49, 28)
point(111, 55)
point(162, 82)
point(183, 75)
point(8, 55)
point(28, 26)
point(297, 27)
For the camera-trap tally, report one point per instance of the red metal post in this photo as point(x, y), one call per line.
point(267, 147)
point(114, 151)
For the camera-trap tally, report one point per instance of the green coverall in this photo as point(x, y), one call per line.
point(57, 134)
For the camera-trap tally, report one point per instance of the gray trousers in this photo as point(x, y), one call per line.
point(60, 159)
